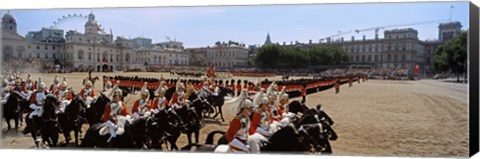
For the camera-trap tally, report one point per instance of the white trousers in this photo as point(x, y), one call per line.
point(254, 142)
point(37, 111)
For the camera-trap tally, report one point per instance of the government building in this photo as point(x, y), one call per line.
point(93, 49)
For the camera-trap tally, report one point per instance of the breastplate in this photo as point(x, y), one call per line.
point(264, 123)
point(242, 133)
point(161, 103)
point(40, 97)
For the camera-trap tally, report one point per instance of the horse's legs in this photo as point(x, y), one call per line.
point(8, 124)
point(221, 113)
point(16, 124)
point(197, 134)
point(328, 149)
point(189, 137)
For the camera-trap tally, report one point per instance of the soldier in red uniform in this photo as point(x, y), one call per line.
point(237, 134)
point(160, 102)
point(115, 116)
point(142, 106)
point(259, 127)
point(54, 86)
point(64, 95)
point(337, 87)
point(178, 98)
point(87, 91)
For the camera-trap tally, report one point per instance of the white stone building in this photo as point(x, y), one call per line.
point(224, 55)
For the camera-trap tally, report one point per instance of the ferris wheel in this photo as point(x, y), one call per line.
point(57, 23)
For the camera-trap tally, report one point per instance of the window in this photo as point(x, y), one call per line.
point(89, 56)
point(46, 56)
point(38, 47)
point(54, 56)
point(53, 47)
point(46, 47)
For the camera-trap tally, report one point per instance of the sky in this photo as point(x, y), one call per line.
point(203, 26)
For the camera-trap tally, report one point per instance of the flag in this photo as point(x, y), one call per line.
point(452, 7)
point(417, 69)
point(211, 71)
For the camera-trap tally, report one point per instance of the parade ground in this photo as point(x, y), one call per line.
point(373, 118)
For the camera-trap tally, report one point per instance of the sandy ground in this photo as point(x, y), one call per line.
point(375, 118)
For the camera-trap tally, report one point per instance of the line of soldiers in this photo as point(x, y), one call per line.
point(257, 118)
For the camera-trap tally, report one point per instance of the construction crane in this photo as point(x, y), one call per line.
point(378, 28)
point(339, 33)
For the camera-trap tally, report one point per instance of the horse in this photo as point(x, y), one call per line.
point(287, 139)
point(73, 119)
point(93, 138)
point(49, 127)
point(94, 113)
point(317, 116)
point(218, 101)
point(166, 125)
point(191, 120)
point(11, 109)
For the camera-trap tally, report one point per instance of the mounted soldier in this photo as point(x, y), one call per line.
point(115, 116)
point(179, 99)
point(142, 107)
point(160, 102)
point(64, 95)
point(54, 87)
point(237, 134)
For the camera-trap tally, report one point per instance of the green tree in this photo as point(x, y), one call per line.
point(268, 55)
point(452, 56)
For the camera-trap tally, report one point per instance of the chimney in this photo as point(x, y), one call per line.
point(341, 40)
point(353, 38)
point(363, 37)
point(310, 41)
point(376, 36)
point(284, 43)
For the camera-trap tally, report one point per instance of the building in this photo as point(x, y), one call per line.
point(92, 50)
point(400, 48)
point(164, 54)
point(224, 55)
point(140, 42)
point(14, 46)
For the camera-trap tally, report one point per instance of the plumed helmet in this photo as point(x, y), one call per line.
point(42, 85)
point(264, 100)
point(248, 103)
point(88, 83)
point(64, 84)
point(284, 96)
point(145, 92)
point(109, 84)
point(55, 79)
point(118, 92)
point(161, 91)
point(5, 81)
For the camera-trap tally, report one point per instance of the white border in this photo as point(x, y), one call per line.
point(48, 4)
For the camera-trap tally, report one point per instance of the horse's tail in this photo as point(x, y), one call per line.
point(189, 147)
point(211, 135)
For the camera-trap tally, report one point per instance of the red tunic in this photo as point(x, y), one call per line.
point(106, 114)
point(92, 93)
point(69, 96)
point(33, 99)
point(256, 119)
point(137, 104)
point(155, 103)
point(233, 128)
point(174, 99)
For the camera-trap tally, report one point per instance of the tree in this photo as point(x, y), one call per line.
point(268, 55)
point(452, 56)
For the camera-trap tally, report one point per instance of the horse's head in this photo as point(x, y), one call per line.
point(225, 91)
point(296, 107)
point(320, 134)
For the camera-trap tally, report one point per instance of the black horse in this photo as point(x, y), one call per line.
point(165, 126)
point(287, 139)
point(11, 109)
point(217, 101)
point(49, 128)
point(321, 118)
point(72, 119)
point(95, 112)
point(93, 139)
